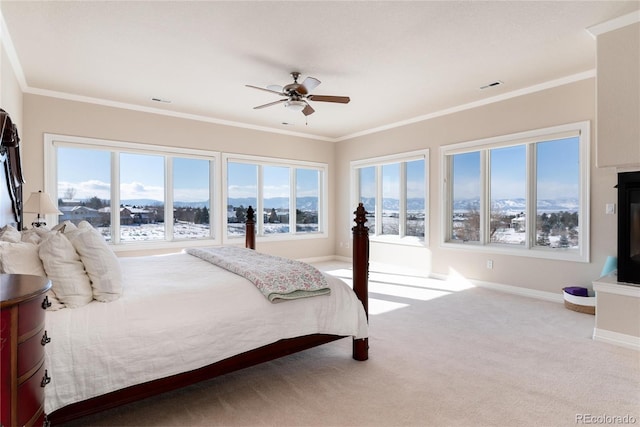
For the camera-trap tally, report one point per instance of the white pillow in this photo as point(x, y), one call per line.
point(99, 261)
point(9, 233)
point(64, 267)
point(23, 258)
point(20, 258)
point(65, 226)
point(35, 235)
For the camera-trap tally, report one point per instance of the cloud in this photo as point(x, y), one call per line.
point(138, 190)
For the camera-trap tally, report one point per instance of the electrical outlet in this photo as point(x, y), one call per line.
point(610, 208)
point(490, 264)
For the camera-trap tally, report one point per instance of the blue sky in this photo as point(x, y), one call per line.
point(557, 171)
point(87, 171)
point(390, 183)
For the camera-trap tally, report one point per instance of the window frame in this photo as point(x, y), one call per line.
point(581, 130)
point(217, 189)
point(377, 163)
point(114, 148)
point(293, 165)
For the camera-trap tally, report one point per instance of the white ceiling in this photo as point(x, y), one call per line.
point(397, 60)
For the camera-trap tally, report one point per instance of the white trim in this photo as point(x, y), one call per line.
point(51, 141)
point(510, 289)
point(406, 156)
point(614, 24)
point(616, 338)
point(580, 129)
point(153, 110)
point(327, 258)
point(610, 286)
point(5, 38)
point(378, 163)
point(518, 138)
point(260, 161)
point(132, 147)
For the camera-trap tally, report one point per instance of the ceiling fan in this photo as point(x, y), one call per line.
point(297, 94)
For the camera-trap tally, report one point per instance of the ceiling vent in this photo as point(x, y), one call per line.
point(492, 84)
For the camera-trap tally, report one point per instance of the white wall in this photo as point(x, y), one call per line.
point(569, 103)
point(52, 115)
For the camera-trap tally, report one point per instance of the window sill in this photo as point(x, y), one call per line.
point(573, 255)
point(395, 240)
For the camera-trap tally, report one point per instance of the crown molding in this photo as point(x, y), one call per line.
point(614, 24)
point(7, 43)
point(513, 94)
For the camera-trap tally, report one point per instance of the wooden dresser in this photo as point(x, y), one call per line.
point(22, 339)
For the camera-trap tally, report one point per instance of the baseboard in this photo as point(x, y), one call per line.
point(616, 338)
point(516, 290)
point(322, 259)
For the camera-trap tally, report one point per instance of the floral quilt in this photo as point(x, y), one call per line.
point(277, 278)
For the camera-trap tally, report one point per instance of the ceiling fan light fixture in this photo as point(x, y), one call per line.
point(294, 105)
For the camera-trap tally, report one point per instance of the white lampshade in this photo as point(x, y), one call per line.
point(295, 105)
point(41, 204)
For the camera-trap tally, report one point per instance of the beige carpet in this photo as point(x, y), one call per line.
point(469, 357)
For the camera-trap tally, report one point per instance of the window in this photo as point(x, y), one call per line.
point(83, 193)
point(393, 190)
point(191, 198)
point(142, 197)
point(287, 196)
point(142, 194)
point(367, 194)
point(525, 194)
point(308, 184)
point(132, 193)
point(276, 201)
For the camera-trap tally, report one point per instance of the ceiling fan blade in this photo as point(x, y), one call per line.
point(308, 110)
point(275, 88)
point(310, 83)
point(270, 104)
point(328, 98)
point(266, 90)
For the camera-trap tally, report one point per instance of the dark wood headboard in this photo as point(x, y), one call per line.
point(11, 170)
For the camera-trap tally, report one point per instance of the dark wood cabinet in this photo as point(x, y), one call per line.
point(23, 374)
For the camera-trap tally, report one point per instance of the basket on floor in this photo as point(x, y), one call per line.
point(581, 304)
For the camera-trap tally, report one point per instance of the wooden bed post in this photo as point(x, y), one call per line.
point(250, 230)
point(361, 274)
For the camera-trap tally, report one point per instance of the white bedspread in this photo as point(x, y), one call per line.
point(178, 313)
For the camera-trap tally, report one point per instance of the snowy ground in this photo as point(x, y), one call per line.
point(187, 231)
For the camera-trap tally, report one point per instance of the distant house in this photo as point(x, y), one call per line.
point(126, 217)
point(75, 214)
point(518, 223)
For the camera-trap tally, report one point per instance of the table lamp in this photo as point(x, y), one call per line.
point(40, 203)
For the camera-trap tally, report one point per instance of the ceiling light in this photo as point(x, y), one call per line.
point(295, 105)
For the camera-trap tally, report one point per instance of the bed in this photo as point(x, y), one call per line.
point(180, 319)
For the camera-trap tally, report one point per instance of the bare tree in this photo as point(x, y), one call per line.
point(69, 193)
